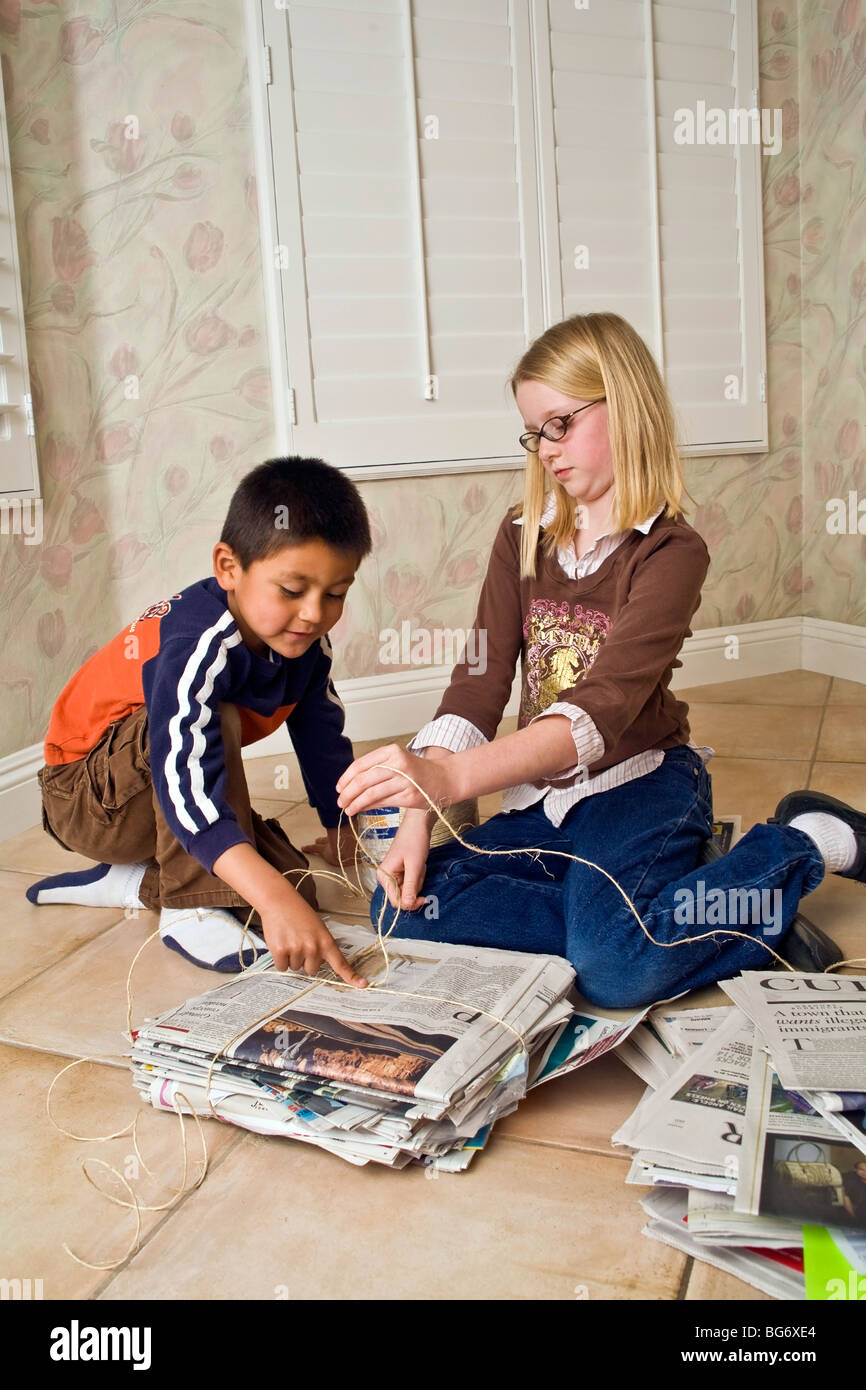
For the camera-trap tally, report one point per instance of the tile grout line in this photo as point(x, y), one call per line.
point(213, 1166)
point(61, 959)
point(686, 1279)
point(814, 757)
point(118, 1060)
point(557, 1144)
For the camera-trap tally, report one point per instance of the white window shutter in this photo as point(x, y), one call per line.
point(445, 178)
point(668, 235)
point(403, 194)
point(710, 224)
point(18, 468)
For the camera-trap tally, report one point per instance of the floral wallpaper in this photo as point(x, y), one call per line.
point(832, 62)
point(136, 209)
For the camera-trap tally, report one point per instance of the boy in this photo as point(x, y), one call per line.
point(143, 752)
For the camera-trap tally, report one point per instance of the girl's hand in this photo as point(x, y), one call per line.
point(366, 783)
point(401, 872)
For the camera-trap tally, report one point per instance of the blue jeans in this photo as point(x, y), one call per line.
point(649, 835)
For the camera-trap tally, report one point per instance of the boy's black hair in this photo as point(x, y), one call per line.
point(288, 501)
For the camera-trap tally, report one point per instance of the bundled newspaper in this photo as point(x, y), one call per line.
point(416, 1068)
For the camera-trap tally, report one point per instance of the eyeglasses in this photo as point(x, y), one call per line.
point(552, 430)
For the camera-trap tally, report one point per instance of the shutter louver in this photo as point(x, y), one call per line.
point(18, 469)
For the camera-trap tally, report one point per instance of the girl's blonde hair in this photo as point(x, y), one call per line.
point(593, 357)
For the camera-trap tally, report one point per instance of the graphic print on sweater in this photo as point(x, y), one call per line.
point(558, 649)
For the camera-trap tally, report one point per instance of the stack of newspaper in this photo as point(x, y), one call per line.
point(417, 1068)
point(753, 1128)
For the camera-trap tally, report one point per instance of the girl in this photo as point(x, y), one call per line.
point(594, 582)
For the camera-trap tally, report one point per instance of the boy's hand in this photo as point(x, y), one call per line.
point(335, 845)
point(365, 784)
point(296, 936)
point(298, 940)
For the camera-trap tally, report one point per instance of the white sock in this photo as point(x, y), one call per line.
point(834, 838)
point(211, 937)
point(105, 885)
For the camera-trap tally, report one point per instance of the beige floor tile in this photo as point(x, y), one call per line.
point(843, 735)
point(274, 778)
point(45, 1200)
point(34, 852)
point(845, 781)
point(524, 1222)
point(838, 907)
point(782, 688)
point(36, 937)
point(578, 1111)
point(756, 731)
point(40, 1014)
point(709, 1284)
point(844, 692)
point(753, 787)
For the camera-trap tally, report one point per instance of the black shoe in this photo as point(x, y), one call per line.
point(804, 945)
point(807, 948)
point(802, 802)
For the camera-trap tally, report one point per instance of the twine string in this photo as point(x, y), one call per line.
point(380, 986)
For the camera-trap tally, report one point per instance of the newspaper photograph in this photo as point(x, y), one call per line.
point(796, 1164)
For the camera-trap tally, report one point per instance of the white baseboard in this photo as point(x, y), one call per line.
point(20, 798)
point(393, 706)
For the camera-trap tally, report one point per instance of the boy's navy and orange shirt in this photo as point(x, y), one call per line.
point(183, 658)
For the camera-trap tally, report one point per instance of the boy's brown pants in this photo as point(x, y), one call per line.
point(104, 807)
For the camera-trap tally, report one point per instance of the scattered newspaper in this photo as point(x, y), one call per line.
point(773, 1272)
point(813, 1025)
point(694, 1122)
point(754, 1124)
point(714, 1220)
point(585, 1036)
point(656, 1047)
point(851, 1124)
